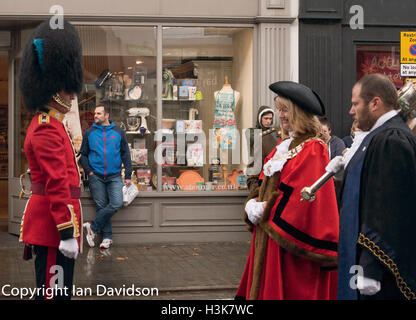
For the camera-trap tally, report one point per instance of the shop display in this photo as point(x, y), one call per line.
point(215, 172)
point(131, 107)
point(225, 124)
point(144, 179)
point(192, 113)
point(139, 156)
point(193, 126)
point(237, 179)
point(73, 125)
point(195, 155)
point(180, 126)
point(168, 80)
point(3, 142)
point(136, 121)
point(196, 96)
point(188, 180)
point(168, 183)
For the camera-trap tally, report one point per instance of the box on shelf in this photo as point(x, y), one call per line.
point(183, 93)
point(195, 155)
point(139, 156)
point(188, 82)
point(193, 126)
point(144, 176)
point(192, 93)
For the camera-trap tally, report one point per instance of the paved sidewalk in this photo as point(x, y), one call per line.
point(178, 271)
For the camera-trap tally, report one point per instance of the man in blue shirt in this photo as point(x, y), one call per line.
point(104, 148)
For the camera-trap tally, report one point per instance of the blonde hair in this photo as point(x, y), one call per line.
point(302, 122)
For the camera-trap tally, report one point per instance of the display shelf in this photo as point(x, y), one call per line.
point(137, 133)
point(144, 101)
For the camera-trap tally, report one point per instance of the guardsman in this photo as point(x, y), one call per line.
point(50, 76)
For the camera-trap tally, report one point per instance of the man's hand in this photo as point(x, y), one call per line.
point(127, 182)
point(91, 173)
point(69, 248)
point(368, 286)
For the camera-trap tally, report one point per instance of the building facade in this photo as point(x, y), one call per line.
point(167, 70)
point(342, 40)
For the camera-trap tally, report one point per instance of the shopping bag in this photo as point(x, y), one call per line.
point(129, 193)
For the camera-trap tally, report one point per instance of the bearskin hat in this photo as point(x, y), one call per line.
point(51, 62)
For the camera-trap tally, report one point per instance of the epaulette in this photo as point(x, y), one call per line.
point(44, 118)
point(268, 131)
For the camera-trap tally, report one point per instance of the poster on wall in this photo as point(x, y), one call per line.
point(382, 59)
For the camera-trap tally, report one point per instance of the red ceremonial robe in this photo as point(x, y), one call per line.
point(301, 237)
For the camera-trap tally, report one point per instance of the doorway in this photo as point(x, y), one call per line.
point(4, 67)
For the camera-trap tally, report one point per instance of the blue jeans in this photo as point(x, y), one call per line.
point(108, 197)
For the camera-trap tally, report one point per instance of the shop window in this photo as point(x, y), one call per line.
point(384, 59)
point(4, 68)
point(22, 117)
point(207, 101)
point(120, 72)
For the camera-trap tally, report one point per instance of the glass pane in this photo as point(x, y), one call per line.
point(22, 117)
point(384, 59)
point(120, 72)
point(207, 100)
point(4, 94)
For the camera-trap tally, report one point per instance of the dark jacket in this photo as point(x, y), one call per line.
point(104, 149)
point(270, 138)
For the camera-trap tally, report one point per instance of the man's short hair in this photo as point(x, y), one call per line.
point(378, 85)
point(325, 122)
point(105, 106)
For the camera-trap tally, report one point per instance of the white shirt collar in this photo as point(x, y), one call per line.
point(384, 118)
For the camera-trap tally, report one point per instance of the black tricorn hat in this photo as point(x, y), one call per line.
point(51, 62)
point(301, 95)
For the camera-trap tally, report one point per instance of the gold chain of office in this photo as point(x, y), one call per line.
point(383, 257)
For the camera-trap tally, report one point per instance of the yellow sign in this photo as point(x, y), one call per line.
point(408, 47)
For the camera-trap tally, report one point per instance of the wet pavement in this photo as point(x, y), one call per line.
point(192, 271)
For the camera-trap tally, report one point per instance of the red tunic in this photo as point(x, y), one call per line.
point(309, 228)
point(53, 211)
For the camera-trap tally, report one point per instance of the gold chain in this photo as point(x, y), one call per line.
point(383, 257)
point(60, 101)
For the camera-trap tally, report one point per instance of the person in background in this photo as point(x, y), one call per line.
point(336, 145)
point(49, 77)
point(349, 139)
point(104, 149)
point(269, 138)
point(336, 148)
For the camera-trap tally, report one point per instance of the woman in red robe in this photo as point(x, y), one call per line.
point(294, 248)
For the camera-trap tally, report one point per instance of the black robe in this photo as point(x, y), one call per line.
point(387, 216)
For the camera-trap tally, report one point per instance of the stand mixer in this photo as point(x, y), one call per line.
point(134, 113)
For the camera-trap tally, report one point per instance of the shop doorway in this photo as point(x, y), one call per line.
point(4, 62)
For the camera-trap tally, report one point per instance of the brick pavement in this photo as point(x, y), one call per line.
point(177, 270)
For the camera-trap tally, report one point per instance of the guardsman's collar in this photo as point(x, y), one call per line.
point(55, 114)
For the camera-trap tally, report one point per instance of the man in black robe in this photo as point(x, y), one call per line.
point(378, 219)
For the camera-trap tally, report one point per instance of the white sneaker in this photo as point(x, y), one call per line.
point(106, 243)
point(90, 235)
